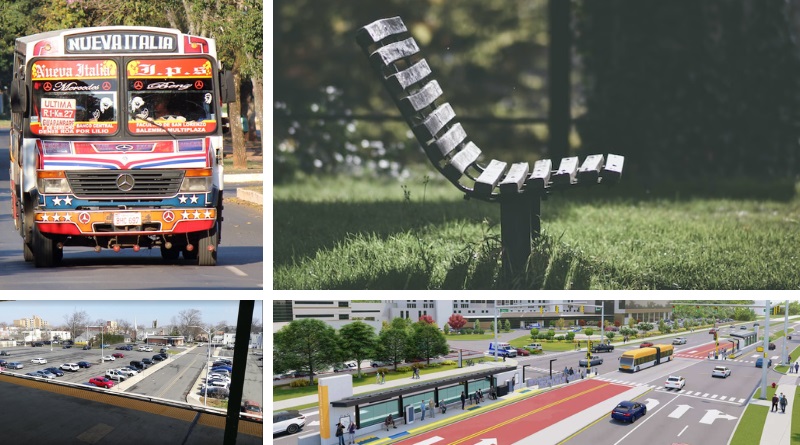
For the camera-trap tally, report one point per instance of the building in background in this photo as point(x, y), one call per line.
point(34, 322)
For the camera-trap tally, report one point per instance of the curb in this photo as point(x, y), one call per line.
point(250, 196)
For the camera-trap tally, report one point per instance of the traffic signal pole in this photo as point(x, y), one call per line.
point(765, 363)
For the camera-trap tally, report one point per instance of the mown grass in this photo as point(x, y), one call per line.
point(749, 430)
point(359, 233)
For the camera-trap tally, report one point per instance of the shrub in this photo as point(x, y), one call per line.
point(434, 365)
point(301, 383)
point(404, 369)
point(559, 338)
point(448, 363)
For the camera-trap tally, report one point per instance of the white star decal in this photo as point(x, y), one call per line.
point(185, 215)
point(45, 217)
point(207, 214)
point(194, 199)
point(68, 217)
point(196, 214)
point(182, 199)
point(57, 201)
point(68, 201)
point(56, 217)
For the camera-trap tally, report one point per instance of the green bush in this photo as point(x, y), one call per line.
point(302, 383)
point(448, 363)
point(434, 365)
point(404, 369)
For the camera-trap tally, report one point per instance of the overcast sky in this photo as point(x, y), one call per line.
point(145, 311)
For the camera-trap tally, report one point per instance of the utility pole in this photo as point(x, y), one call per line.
point(765, 363)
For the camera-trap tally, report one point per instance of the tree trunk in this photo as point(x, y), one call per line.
point(235, 117)
point(258, 104)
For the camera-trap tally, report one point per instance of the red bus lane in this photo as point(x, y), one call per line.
point(701, 352)
point(519, 420)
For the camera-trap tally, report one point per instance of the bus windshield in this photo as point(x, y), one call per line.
point(74, 97)
point(170, 94)
point(626, 361)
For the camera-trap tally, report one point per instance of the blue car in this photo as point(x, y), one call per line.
point(760, 362)
point(223, 368)
point(628, 411)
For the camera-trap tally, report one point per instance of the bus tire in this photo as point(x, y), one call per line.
point(44, 249)
point(27, 253)
point(207, 248)
point(636, 369)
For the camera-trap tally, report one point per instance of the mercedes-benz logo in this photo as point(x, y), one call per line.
point(123, 147)
point(125, 182)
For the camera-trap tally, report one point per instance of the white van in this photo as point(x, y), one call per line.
point(503, 350)
point(534, 347)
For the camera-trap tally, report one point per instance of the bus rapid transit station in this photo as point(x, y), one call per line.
point(338, 404)
point(116, 142)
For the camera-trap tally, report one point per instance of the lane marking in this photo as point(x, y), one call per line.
point(236, 271)
point(684, 429)
point(645, 420)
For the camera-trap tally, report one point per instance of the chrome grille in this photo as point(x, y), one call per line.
point(103, 183)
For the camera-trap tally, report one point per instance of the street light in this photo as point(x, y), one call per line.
point(551, 365)
point(208, 359)
point(523, 372)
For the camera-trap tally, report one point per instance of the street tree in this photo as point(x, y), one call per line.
point(457, 321)
point(186, 319)
point(426, 319)
point(588, 331)
point(644, 328)
point(506, 325)
point(560, 323)
point(446, 329)
point(76, 322)
point(358, 341)
point(610, 335)
point(477, 325)
point(428, 341)
point(394, 341)
point(534, 334)
point(305, 345)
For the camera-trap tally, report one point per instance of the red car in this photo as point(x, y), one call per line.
point(118, 355)
point(523, 351)
point(102, 382)
point(646, 344)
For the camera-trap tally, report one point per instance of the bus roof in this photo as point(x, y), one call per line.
point(645, 351)
point(112, 40)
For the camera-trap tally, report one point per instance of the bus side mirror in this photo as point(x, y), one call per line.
point(19, 94)
point(227, 87)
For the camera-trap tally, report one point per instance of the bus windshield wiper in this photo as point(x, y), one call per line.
point(150, 120)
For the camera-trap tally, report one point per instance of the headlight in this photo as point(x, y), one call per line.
point(196, 184)
point(50, 182)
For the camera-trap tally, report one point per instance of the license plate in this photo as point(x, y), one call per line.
point(128, 219)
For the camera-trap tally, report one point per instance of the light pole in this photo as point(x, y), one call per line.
point(551, 365)
point(208, 359)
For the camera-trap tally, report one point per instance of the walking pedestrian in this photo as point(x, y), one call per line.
point(463, 400)
point(774, 403)
point(351, 430)
point(383, 377)
point(443, 406)
point(783, 402)
point(477, 400)
point(513, 383)
point(796, 367)
point(480, 394)
point(432, 408)
point(340, 433)
point(422, 407)
point(378, 378)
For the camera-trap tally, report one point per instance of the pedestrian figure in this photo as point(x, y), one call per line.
point(774, 403)
point(796, 367)
point(383, 377)
point(480, 394)
point(463, 400)
point(443, 406)
point(389, 421)
point(581, 374)
point(432, 408)
point(571, 371)
point(340, 433)
point(351, 430)
point(378, 378)
point(513, 383)
point(477, 400)
point(422, 407)
point(783, 402)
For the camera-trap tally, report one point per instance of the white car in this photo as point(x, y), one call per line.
point(108, 358)
point(70, 367)
point(721, 371)
point(113, 374)
point(287, 421)
point(126, 372)
point(39, 360)
point(679, 341)
point(675, 382)
point(216, 376)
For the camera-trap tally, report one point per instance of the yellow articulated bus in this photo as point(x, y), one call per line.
point(638, 359)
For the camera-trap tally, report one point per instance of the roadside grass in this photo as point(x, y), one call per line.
point(5, 124)
point(795, 429)
point(751, 426)
point(367, 233)
point(252, 166)
point(794, 355)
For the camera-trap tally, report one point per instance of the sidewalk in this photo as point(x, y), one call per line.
point(778, 426)
point(249, 179)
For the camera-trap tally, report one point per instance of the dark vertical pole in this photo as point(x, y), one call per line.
point(243, 324)
point(515, 233)
point(558, 75)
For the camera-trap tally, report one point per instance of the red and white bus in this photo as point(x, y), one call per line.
point(116, 142)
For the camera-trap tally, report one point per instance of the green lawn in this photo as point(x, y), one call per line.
point(366, 233)
point(749, 430)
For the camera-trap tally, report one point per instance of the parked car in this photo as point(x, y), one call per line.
point(84, 365)
point(217, 393)
point(139, 365)
point(5, 353)
point(55, 371)
point(113, 374)
point(101, 382)
point(87, 348)
point(118, 355)
point(760, 362)
point(720, 371)
point(523, 352)
point(534, 347)
point(70, 367)
point(46, 374)
point(675, 382)
point(121, 348)
point(646, 344)
point(595, 360)
point(679, 341)
point(290, 421)
point(35, 374)
point(628, 411)
point(108, 358)
point(743, 327)
point(378, 364)
point(229, 369)
point(15, 365)
point(771, 346)
point(66, 346)
point(39, 360)
point(163, 350)
point(129, 369)
point(3, 363)
point(602, 347)
point(254, 409)
point(157, 358)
